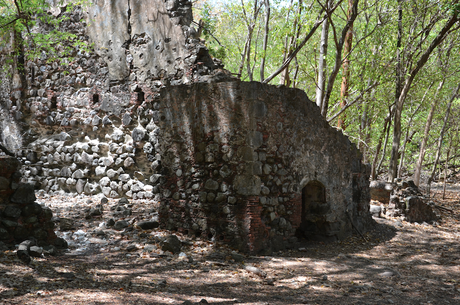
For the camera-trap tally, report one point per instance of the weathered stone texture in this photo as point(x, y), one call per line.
point(20, 216)
point(150, 115)
point(247, 127)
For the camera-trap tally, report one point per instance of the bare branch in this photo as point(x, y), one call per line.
point(299, 47)
point(348, 105)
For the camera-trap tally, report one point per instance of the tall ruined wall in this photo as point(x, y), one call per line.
point(152, 35)
point(20, 216)
point(150, 115)
point(238, 156)
point(136, 44)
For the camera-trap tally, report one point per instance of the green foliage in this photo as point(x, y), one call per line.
point(373, 60)
point(19, 26)
point(209, 23)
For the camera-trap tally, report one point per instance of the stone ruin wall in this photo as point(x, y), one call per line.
point(226, 159)
point(20, 216)
point(238, 161)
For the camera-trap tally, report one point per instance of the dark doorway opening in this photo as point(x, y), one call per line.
point(95, 98)
point(314, 210)
point(140, 97)
point(53, 102)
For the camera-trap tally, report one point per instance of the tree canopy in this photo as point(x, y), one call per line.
point(401, 56)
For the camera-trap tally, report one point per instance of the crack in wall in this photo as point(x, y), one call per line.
point(127, 43)
point(129, 29)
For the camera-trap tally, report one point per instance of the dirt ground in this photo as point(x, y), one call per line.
point(398, 263)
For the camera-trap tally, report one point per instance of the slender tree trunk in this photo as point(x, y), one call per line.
point(407, 84)
point(426, 134)
point(407, 139)
point(387, 136)
point(285, 72)
point(362, 127)
point(322, 64)
point(291, 45)
point(267, 30)
point(409, 124)
point(445, 170)
point(310, 33)
point(441, 136)
point(399, 106)
point(379, 146)
point(296, 73)
point(248, 60)
point(338, 58)
point(246, 55)
point(367, 129)
point(251, 31)
point(243, 56)
point(346, 68)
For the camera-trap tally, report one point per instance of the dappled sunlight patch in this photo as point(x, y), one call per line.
point(417, 263)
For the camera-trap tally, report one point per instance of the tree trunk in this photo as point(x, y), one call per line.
point(399, 106)
point(267, 30)
point(243, 56)
point(363, 127)
point(445, 171)
point(322, 64)
point(338, 58)
point(441, 136)
point(407, 84)
point(418, 166)
point(346, 68)
point(387, 136)
point(409, 124)
point(291, 45)
point(250, 24)
point(379, 146)
point(288, 60)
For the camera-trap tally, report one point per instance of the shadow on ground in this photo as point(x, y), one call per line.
point(408, 264)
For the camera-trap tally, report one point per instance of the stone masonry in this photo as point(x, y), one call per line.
point(20, 216)
point(150, 115)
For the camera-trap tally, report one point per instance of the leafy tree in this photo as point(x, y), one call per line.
point(22, 37)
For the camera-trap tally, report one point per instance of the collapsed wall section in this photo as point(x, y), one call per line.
point(20, 216)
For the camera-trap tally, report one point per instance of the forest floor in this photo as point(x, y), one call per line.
point(398, 263)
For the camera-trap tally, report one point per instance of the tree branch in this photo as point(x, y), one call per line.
point(299, 47)
point(353, 102)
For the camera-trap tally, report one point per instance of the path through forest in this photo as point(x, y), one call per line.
point(400, 263)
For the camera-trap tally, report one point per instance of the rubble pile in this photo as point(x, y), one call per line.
point(405, 201)
point(21, 218)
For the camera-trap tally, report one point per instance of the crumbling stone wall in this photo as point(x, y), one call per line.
point(20, 216)
point(238, 156)
point(248, 164)
point(152, 33)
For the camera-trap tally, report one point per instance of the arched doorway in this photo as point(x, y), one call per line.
point(314, 210)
